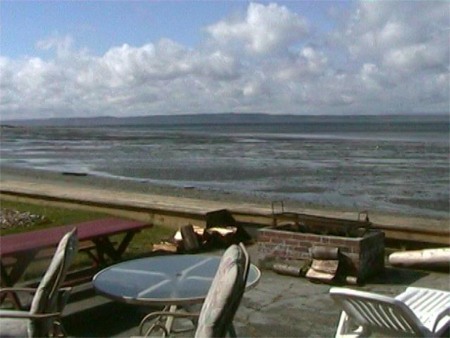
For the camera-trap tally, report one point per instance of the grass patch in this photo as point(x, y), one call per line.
point(54, 216)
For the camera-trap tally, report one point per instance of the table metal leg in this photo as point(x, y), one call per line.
point(164, 321)
point(160, 320)
point(170, 319)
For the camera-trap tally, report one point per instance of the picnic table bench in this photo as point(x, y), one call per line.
point(18, 251)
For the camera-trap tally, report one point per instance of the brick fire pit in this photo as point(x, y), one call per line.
point(362, 252)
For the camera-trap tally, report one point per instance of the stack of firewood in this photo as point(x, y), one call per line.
point(191, 239)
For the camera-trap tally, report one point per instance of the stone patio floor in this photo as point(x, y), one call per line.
point(279, 306)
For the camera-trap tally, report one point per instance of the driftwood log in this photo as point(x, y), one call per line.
point(431, 258)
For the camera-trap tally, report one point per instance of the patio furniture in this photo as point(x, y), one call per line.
point(179, 280)
point(43, 317)
point(18, 251)
point(417, 312)
point(221, 303)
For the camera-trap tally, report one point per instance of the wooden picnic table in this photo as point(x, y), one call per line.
point(18, 251)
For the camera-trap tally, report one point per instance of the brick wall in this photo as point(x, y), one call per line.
point(362, 256)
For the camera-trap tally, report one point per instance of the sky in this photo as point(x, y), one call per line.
point(128, 58)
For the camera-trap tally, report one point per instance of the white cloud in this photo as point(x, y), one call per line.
point(380, 59)
point(417, 57)
point(265, 29)
point(400, 34)
point(309, 63)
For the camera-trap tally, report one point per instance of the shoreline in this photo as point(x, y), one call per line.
point(106, 185)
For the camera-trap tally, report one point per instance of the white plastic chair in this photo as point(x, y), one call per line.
point(43, 318)
point(417, 312)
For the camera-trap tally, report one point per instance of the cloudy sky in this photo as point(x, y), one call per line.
point(94, 58)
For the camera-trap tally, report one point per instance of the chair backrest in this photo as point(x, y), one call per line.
point(378, 313)
point(225, 293)
point(45, 298)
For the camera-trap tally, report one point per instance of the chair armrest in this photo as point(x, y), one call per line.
point(62, 297)
point(29, 290)
point(157, 314)
point(444, 313)
point(27, 315)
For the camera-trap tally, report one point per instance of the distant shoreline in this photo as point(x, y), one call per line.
point(106, 185)
point(224, 118)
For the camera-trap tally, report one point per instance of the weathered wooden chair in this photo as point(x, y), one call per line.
point(44, 316)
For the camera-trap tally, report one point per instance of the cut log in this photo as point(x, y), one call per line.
point(190, 240)
point(287, 269)
point(165, 246)
point(432, 258)
point(325, 263)
point(324, 253)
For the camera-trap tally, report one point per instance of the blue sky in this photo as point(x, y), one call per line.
point(90, 58)
point(100, 25)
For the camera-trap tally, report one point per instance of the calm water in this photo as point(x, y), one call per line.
point(399, 165)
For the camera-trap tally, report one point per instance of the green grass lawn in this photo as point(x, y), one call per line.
point(56, 216)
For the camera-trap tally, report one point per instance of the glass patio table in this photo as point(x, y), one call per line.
point(171, 281)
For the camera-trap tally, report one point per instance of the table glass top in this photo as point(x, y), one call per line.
point(174, 279)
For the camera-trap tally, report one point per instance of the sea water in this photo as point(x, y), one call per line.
point(398, 164)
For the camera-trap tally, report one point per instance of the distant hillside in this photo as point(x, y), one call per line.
point(224, 118)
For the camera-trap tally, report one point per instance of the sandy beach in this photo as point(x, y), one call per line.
point(108, 186)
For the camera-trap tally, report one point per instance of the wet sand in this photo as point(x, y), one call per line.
point(107, 186)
